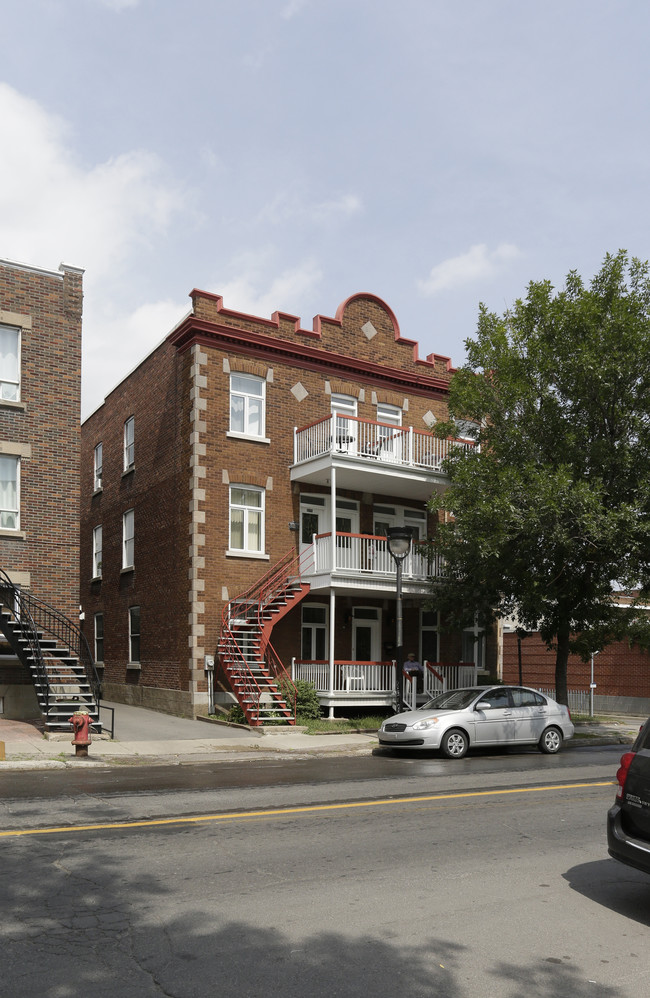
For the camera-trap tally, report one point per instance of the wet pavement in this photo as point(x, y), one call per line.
point(148, 737)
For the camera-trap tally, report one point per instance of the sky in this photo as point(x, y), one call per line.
point(287, 154)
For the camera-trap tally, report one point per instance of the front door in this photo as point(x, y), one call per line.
point(313, 519)
point(366, 634)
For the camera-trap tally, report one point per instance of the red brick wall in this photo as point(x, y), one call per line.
point(156, 489)
point(618, 670)
point(48, 420)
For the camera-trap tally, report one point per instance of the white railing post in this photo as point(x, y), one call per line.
point(293, 670)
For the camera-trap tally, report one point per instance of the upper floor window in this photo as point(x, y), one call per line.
point(9, 492)
point(99, 637)
point(10, 363)
point(246, 519)
point(97, 552)
point(389, 414)
point(97, 467)
point(247, 405)
point(128, 538)
point(129, 443)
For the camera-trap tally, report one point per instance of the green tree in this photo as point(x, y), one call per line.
point(551, 509)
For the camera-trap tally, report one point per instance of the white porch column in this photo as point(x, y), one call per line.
point(333, 517)
point(331, 649)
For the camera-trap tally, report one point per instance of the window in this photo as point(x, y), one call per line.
point(246, 519)
point(129, 443)
point(473, 647)
point(247, 405)
point(128, 532)
point(344, 409)
point(97, 552)
point(10, 363)
point(97, 467)
point(99, 637)
point(134, 634)
point(314, 632)
point(9, 492)
point(429, 632)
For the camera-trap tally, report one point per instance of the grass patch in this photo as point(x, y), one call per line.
point(341, 724)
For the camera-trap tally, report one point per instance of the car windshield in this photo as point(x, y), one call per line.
point(453, 700)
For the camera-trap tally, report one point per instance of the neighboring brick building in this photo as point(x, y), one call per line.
point(621, 672)
point(40, 391)
point(240, 441)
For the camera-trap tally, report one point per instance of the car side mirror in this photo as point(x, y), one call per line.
point(483, 705)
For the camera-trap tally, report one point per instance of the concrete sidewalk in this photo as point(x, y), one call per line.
point(146, 737)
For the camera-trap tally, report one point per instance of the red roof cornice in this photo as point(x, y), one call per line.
point(200, 331)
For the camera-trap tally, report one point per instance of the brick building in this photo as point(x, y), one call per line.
point(40, 391)
point(250, 455)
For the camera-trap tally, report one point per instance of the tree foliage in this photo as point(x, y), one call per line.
point(551, 507)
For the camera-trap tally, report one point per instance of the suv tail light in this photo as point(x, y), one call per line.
point(621, 773)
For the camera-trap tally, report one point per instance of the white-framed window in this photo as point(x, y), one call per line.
point(315, 632)
point(99, 637)
point(246, 519)
point(10, 363)
point(129, 443)
point(128, 538)
point(134, 634)
point(473, 646)
point(98, 461)
point(9, 492)
point(247, 405)
point(391, 414)
point(97, 552)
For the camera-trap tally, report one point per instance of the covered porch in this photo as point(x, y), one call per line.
point(341, 683)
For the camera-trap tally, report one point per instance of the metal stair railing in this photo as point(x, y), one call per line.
point(247, 609)
point(40, 616)
point(15, 601)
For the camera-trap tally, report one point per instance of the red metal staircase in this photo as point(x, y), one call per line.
point(257, 677)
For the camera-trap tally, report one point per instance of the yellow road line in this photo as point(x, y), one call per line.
point(277, 812)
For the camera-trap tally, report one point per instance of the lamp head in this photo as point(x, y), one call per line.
point(399, 541)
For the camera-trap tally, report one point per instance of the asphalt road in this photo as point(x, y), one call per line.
point(369, 876)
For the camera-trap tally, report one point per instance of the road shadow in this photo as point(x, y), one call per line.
point(615, 886)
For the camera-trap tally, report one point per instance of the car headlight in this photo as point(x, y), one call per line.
point(426, 722)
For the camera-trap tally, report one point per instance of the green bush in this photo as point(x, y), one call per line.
point(236, 715)
point(307, 705)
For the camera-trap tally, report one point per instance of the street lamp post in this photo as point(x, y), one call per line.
point(399, 545)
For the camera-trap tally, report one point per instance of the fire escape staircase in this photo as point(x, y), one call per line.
point(256, 675)
point(55, 654)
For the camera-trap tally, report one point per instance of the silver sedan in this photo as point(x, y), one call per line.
point(458, 720)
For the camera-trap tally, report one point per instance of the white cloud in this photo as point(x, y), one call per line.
point(252, 290)
point(292, 8)
point(136, 334)
point(288, 205)
point(476, 265)
point(55, 208)
point(119, 5)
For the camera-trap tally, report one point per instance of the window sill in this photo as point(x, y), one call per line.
point(134, 666)
point(96, 578)
point(18, 535)
point(258, 555)
point(8, 404)
point(98, 491)
point(128, 471)
point(127, 569)
point(234, 435)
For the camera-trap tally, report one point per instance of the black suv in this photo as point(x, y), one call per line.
point(628, 821)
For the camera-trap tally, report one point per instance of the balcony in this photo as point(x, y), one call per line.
point(391, 459)
point(364, 561)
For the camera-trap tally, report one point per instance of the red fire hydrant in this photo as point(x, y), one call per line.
point(80, 722)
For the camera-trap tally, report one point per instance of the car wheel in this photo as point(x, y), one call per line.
point(551, 741)
point(454, 744)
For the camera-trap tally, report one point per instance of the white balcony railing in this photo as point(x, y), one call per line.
point(368, 555)
point(376, 680)
point(369, 440)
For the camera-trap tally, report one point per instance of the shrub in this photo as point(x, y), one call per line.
point(307, 704)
